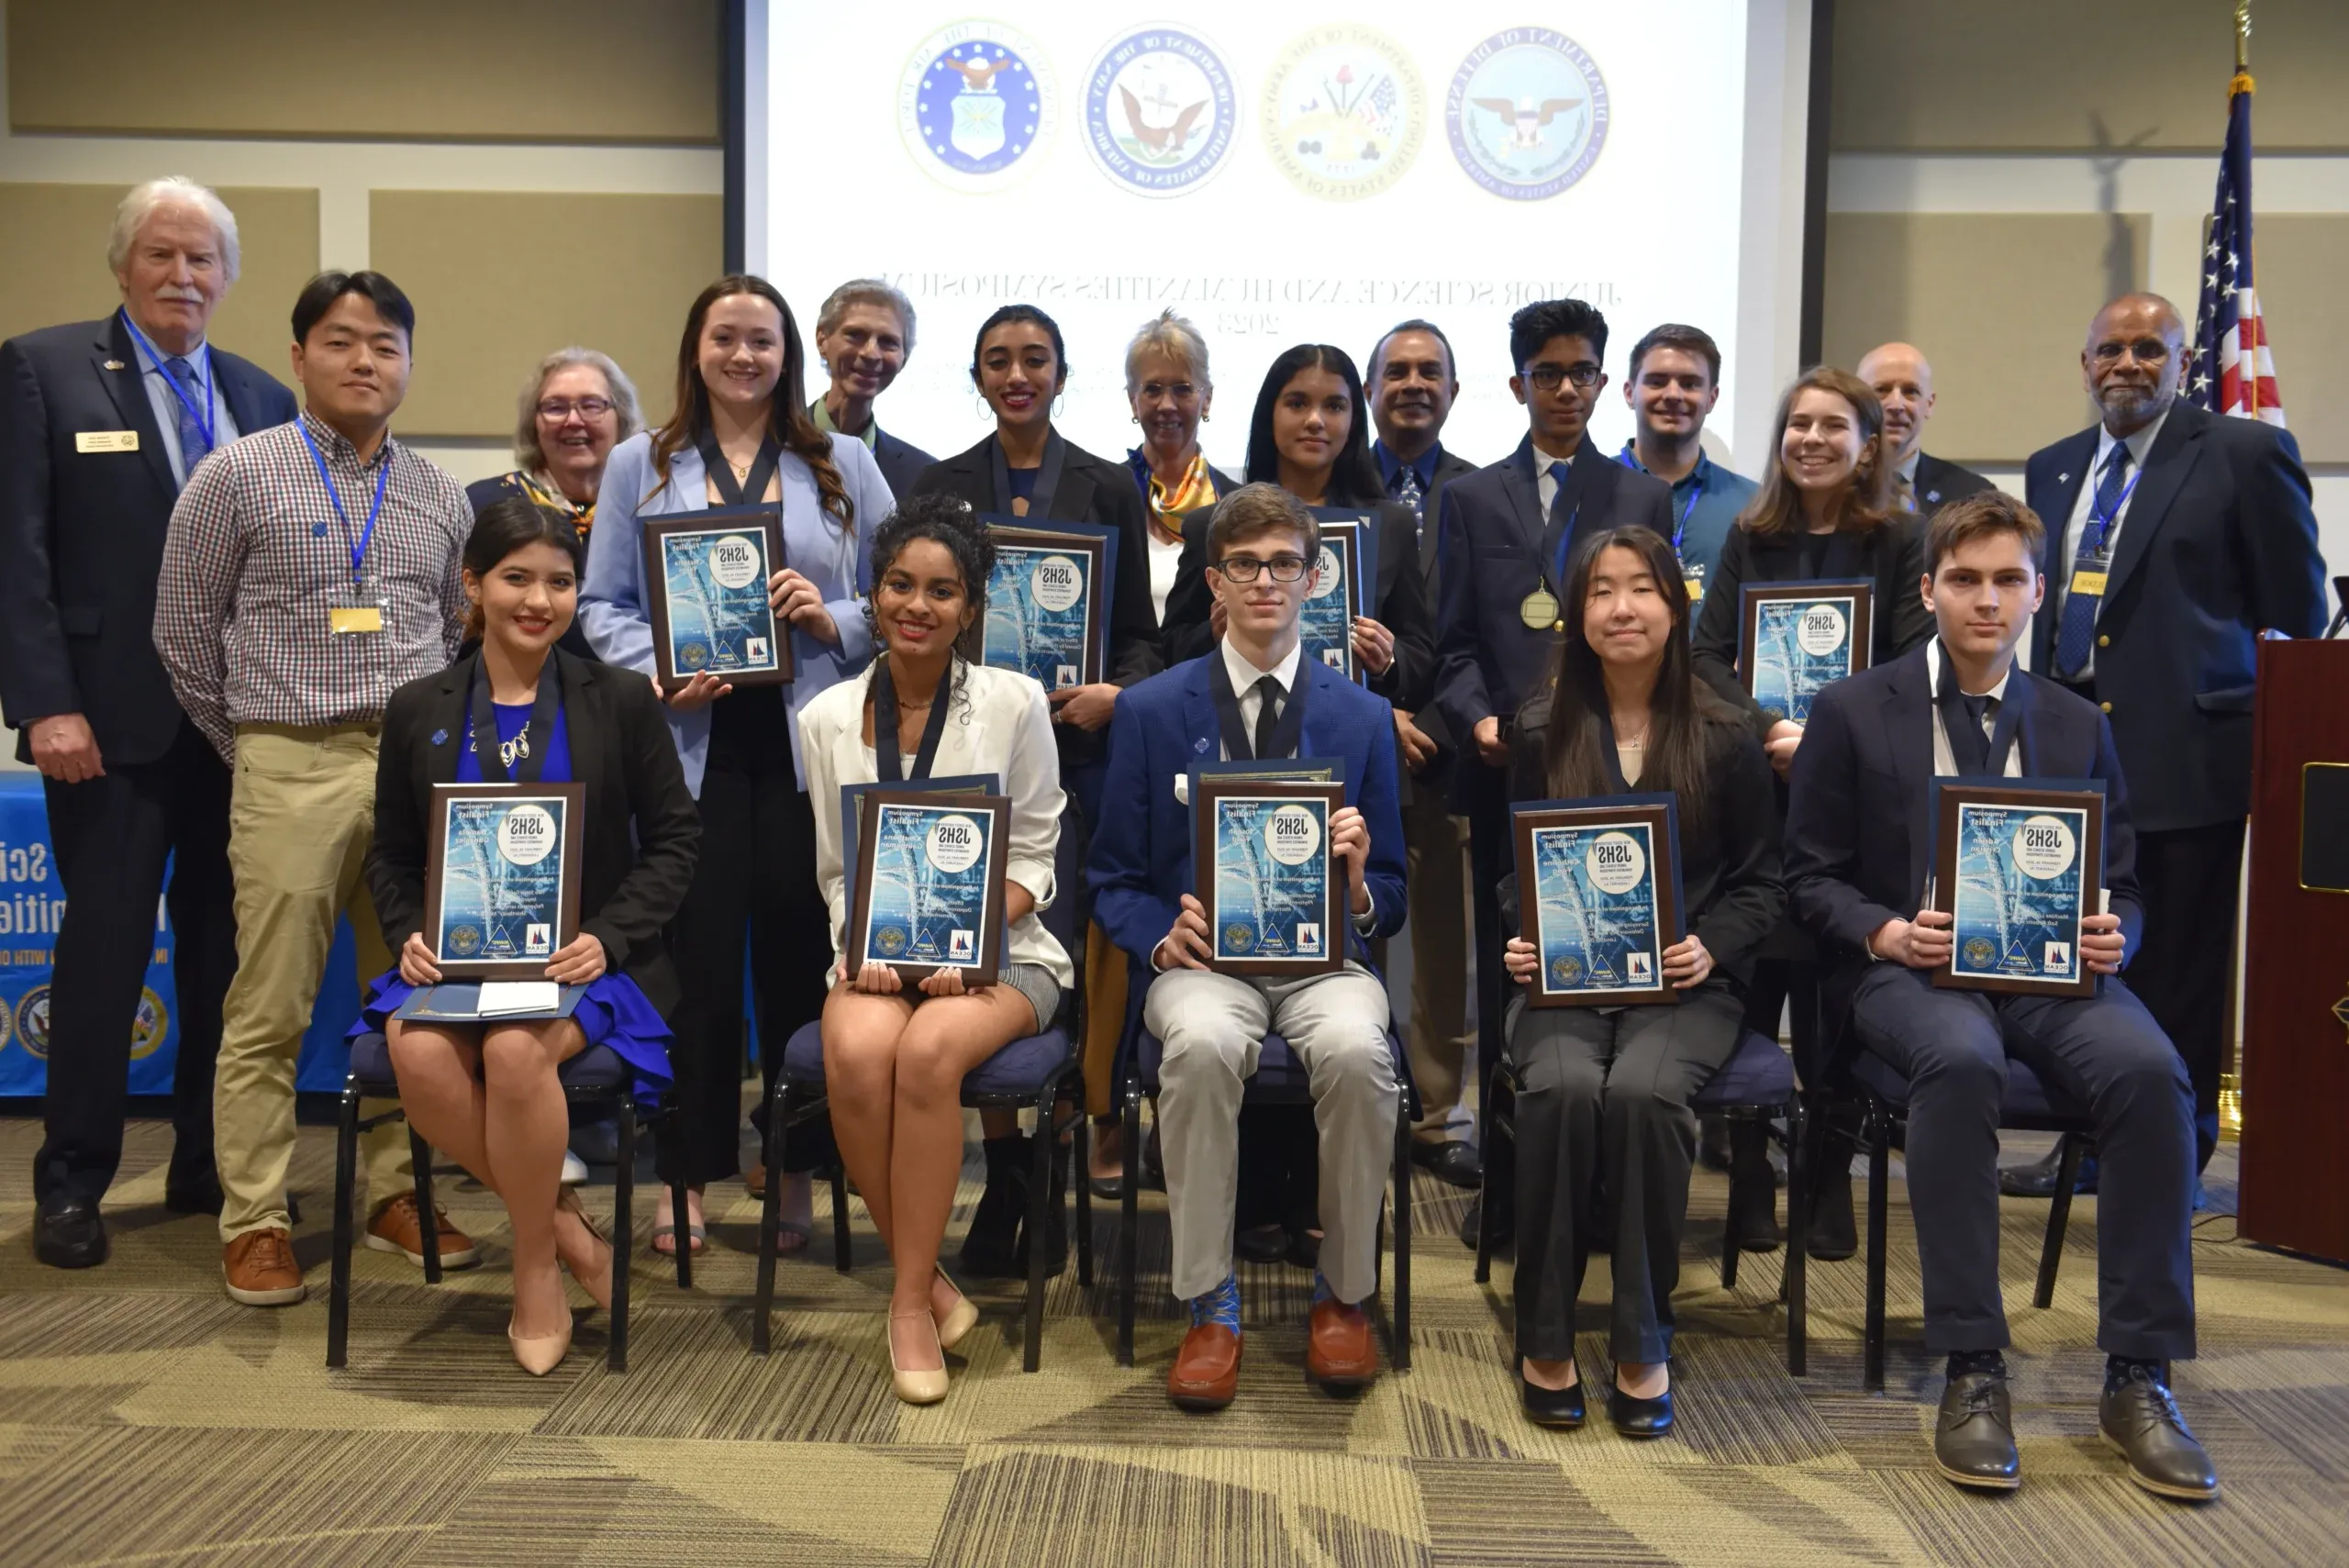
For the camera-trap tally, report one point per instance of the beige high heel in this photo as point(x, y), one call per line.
point(956, 1326)
point(914, 1387)
point(569, 1199)
point(542, 1353)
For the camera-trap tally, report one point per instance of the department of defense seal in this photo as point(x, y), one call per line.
point(1343, 112)
point(890, 940)
point(1237, 937)
point(693, 656)
point(1527, 113)
point(464, 940)
point(1160, 111)
point(974, 100)
point(1565, 969)
point(1980, 951)
point(32, 1020)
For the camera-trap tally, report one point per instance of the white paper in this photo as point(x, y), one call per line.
point(501, 998)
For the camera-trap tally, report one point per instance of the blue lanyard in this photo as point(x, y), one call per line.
point(358, 551)
point(206, 420)
point(2103, 525)
point(1696, 494)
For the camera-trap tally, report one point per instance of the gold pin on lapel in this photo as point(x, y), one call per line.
point(114, 364)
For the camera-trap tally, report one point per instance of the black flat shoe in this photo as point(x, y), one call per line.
point(1974, 1439)
point(1452, 1163)
point(2038, 1178)
point(1834, 1233)
point(1262, 1243)
point(1639, 1418)
point(1558, 1407)
point(68, 1234)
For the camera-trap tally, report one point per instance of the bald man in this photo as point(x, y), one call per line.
point(1904, 382)
point(2175, 538)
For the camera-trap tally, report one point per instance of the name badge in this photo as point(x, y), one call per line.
point(1696, 588)
point(2086, 582)
point(355, 618)
point(106, 442)
point(1539, 610)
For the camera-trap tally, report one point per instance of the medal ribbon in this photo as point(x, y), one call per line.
point(887, 766)
point(1696, 493)
point(721, 472)
point(535, 739)
point(1288, 731)
point(1048, 478)
point(367, 535)
point(206, 417)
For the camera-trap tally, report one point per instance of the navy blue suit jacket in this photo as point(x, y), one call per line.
point(1858, 832)
point(81, 533)
point(2219, 542)
point(900, 463)
point(1140, 863)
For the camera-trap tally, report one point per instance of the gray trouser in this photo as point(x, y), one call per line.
point(1214, 1026)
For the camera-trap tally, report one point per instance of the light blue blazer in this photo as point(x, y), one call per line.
point(611, 599)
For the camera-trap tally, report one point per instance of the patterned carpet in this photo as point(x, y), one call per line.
point(145, 1419)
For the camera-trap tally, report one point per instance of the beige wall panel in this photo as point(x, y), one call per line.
point(501, 279)
point(608, 71)
point(1949, 75)
point(2000, 305)
point(2307, 325)
point(53, 262)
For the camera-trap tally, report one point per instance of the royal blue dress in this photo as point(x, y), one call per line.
point(613, 1013)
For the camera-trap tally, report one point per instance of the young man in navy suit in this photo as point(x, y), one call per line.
point(1254, 697)
point(101, 423)
point(1858, 844)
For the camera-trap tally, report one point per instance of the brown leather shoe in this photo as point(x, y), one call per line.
point(1340, 1353)
point(398, 1227)
point(1206, 1374)
point(261, 1269)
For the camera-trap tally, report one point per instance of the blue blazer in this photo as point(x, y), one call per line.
point(2219, 542)
point(1858, 828)
point(1140, 863)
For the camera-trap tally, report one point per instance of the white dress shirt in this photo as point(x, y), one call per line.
point(1246, 675)
point(166, 402)
point(1544, 484)
point(2139, 445)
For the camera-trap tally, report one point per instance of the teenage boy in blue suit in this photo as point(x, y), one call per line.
point(1254, 697)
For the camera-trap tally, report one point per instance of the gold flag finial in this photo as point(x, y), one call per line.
point(2243, 35)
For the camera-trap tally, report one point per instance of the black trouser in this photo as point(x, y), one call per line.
point(757, 881)
point(1605, 1108)
point(2188, 881)
point(1490, 857)
point(2103, 1052)
point(112, 836)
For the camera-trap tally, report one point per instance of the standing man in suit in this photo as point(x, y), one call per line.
point(1674, 381)
point(1254, 697)
point(100, 424)
point(2183, 536)
point(1859, 836)
point(1507, 534)
point(864, 334)
point(1413, 384)
point(1903, 382)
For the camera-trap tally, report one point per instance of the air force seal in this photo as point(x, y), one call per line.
point(1343, 112)
point(975, 99)
point(1527, 112)
point(1159, 111)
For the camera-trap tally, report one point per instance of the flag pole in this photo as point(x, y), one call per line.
point(2243, 37)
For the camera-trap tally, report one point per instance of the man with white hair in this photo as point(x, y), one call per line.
point(864, 334)
point(101, 422)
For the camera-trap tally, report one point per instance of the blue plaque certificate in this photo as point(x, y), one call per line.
point(502, 878)
point(1800, 636)
point(1267, 879)
point(706, 594)
point(1598, 896)
point(929, 889)
point(2018, 871)
point(1045, 615)
point(1340, 591)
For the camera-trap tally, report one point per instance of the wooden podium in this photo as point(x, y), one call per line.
point(2295, 1069)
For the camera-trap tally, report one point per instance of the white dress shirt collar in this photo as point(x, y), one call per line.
point(1244, 674)
point(2139, 442)
point(1944, 671)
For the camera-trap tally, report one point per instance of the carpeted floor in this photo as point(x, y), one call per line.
point(145, 1419)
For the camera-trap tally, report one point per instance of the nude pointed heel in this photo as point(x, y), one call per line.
point(956, 1326)
point(914, 1387)
point(542, 1353)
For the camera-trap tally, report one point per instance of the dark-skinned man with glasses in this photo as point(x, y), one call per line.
point(1508, 535)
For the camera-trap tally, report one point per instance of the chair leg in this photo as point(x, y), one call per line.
point(1401, 1317)
point(770, 1218)
point(1879, 1184)
point(2059, 1216)
point(840, 1218)
point(1796, 1279)
point(1729, 1248)
point(346, 1161)
point(428, 1215)
point(1499, 1147)
point(679, 1214)
point(1081, 1179)
point(623, 1232)
point(1129, 1220)
point(1039, 1259)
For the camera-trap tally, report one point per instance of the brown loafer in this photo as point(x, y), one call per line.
point(261, 1269)
point(397, 1228)
point(1206, 1374)
point(1339, 1349)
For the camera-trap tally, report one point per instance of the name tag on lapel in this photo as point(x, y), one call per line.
point(106, 442)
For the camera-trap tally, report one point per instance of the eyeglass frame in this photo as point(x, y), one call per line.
point(545, 408)
point(1259, 564)
point(1584, 374)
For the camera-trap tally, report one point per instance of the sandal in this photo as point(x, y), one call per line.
point(791, 1238)
point(697, 1236)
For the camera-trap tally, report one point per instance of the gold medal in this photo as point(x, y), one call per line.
point(1539, 610)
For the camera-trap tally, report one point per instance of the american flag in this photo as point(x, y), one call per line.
point(2232, 370)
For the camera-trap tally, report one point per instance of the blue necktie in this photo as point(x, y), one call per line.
point(2074, 637)
point(1405, 489)
point(193, 448)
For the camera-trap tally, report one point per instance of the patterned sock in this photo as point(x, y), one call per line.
point(1221, 1305)
point(2118, 1368)
point(1321, 1291)
point(1963, 1362)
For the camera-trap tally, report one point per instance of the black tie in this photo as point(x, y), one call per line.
point(1268, 712)
point(1969, 747)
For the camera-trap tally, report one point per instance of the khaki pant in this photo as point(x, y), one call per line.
point(300, 813)
point(1436, 1039)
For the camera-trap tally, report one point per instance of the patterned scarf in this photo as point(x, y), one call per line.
point(1197, 490)
point(542, 491)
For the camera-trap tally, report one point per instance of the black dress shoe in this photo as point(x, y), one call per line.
point(2038, 1178)
point(1834, 1235)
point(1304, 1250)
point(1639, 1418)
point(199, 1196)
point(68, 1233)
point(1469, 1221)
point(1973, 1441)
point(1559, 1408)
point(1262, 1243)
point(1753, 1193)
point(1713, 1150)
point(1452, 1163)
point(2138, 1421)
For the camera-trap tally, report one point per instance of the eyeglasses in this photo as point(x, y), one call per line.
point(558, 409)
point(1243, 568)
point(2147, 351)
point(1180, 390)
point(1585, 376)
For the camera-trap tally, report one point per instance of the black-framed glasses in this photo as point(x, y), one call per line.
point(2147, 351)
point(1585, 376)
point(560, 409)
point(1243, 568)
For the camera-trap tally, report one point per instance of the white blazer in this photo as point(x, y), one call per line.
point(999, 723)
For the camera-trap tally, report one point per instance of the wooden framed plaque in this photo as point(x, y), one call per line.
point(1598, 896)
point(1274, 894)
point(2018, 868)
point(706, 594)
point(1796, 638)
point(1344, 582)
point(501, 877)
point(1047, 605)
point(927, 892)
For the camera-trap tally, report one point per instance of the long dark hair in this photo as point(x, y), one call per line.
point(1678, 709)
point(787, 419)
point(1776, 510)
point(506, 526)
point(1353, 481)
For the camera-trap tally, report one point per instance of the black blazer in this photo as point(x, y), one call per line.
point(1728, 863)
point(1858, 831)
point(1893, 555)
point(1938, 482)
point(643, 830)
point(901, 463)
point(1497, 547)
point(2218, 544)
point(81, 533)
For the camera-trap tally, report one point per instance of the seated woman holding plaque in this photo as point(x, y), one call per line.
point(1603, 1114)
point(519, 710)
point(895, 1053)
